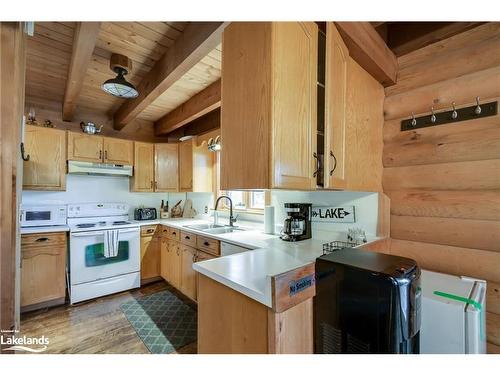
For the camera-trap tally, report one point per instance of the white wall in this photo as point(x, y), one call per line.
point(366, 208)
point(85, 189)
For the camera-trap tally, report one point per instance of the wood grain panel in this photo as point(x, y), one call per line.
point(492, 348)
point(166, 167)
point(468, 175)
point(462, 90)
point(443, 146)
point(228, 321)
point(478, 234)
point(465, 53)
point(481, 264)
point(493, 328)
point(243, 127)
point(493, 297)
point(468, 204)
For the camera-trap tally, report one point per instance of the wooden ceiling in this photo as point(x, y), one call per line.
point(49, 54)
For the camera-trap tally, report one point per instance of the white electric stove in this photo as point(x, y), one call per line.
point(91, 273)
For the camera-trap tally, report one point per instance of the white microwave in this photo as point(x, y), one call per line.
point(37, 216)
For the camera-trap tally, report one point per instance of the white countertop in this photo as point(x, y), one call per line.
point(249, 272)
point(45, 229)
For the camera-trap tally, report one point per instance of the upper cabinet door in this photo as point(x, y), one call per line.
point(166, 167)
point(118, 151)
point(85, 147)
point(337, 59)
point(203, 169)
point(186, 166)
point(294, 74)
point(46, 168)
point(143, 167)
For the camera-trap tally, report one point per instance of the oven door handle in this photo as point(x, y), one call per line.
point(101, 232)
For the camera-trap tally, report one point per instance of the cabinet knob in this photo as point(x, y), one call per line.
point(174, 233)
point(206, 243)
point(187, 238)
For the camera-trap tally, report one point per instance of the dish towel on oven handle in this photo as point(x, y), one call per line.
point(111, 243)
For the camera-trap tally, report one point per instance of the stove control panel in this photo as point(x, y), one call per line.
point(97, 209)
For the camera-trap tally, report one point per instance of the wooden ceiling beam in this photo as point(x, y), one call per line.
point(369, 50)
point(83, 47)
point(197, 40)
point(200, 104)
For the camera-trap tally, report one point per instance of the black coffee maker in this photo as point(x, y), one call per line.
point(297, 226)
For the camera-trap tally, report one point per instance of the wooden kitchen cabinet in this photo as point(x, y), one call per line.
point(142, 180)
point(186, 166)
point(174, 260)
point(164, 249)
point(46, 167)
point(268, 120)
point(150, 257)
point(188, 274)
point(337, 60)
point(118, 151)
point(85, 147)
point(166, 167)
point(43, 270)
point(195, 167)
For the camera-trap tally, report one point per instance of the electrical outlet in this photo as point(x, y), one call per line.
point(206, 209)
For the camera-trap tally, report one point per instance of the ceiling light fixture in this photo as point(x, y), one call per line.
point(119, 86)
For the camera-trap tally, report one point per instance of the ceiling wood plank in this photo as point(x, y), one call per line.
point(83, 47)
point(369, 50)
point(197, 40)
point(200, 104)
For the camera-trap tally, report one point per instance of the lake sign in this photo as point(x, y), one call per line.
point(344, 214)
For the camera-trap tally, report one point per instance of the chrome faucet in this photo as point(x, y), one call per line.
point(232, 219)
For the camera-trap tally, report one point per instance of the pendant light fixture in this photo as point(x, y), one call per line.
point(119, 86)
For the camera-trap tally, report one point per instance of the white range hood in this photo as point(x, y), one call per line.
point(99, 169)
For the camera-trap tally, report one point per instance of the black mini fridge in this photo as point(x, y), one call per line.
point(366, 303)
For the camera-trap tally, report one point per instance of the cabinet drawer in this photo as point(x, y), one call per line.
point(188, 238)
point(43, 239)
point(148, 230)
point(201, 256)
point(164, 231)
point(208, 245)
point(174, 234)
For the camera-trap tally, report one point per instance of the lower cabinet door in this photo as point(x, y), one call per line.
point(188, 275)
point(174, 264)
point(43, 273)
point(164, 250)
point(150, 258)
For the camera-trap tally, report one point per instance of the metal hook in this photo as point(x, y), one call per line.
point(454, 114)
point(413, 120)
point(477, 111)
point(433, 116)
point(25, 157)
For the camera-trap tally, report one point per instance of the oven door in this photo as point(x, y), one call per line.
point(87, 260)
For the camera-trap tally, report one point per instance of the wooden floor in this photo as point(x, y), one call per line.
point(97, 326)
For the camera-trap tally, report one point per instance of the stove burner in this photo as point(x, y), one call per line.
point(89, 225)
point(102, 223)
point(121, 222)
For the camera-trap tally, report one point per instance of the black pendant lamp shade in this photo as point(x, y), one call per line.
point(119, 86)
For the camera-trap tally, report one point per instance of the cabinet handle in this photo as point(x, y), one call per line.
point(100, 154)
point(42, 239)
point(177, 251)
point(334, 162)
point(195, 258)
point(187, 238)
point(151, 184)
point(150, 230)
point(315, 156)
point(206, 243)
point(174, 233)
point(105, 154)
point(156, 184)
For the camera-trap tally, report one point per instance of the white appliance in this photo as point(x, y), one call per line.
point(453, 314)
point(83, 167)
point(91, 273)
point(228, 249)
point(42, 215)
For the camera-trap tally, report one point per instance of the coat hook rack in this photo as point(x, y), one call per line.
point(454, 115)
point(23, 156)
